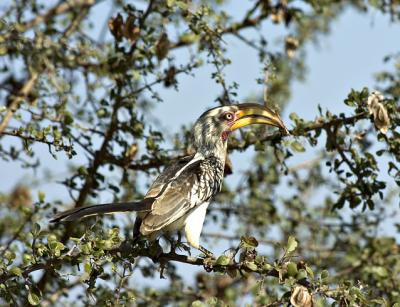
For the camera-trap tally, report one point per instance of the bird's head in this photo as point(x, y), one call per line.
point(211, 130)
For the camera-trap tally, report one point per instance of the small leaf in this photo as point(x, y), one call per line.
point(309, 271)
point(33, 299)
point(223, 260)
point(249, 241)
point(198, 304)
point(41, 196)
point(36, 229)
point(291, 244)
point(292, 269)
point(251, 266)
point(301, 274)
point(170, 3)
point(324, 274)
point(10, 256)
point(16, 271)
point(87, 267)
point(297, 146)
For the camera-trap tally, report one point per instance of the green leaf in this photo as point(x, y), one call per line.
point(170, 3)
point(33, 299)
point(198, 304)
point(309, 271)
point(10, 256)
point(293, 116)
point(379, 271)
point(87, 267)
point(301, 274)
point(51, 238)
point(291, 245)
point(16, 271)
point(41, 196)
point(297, 146)
point(324, 274)
point(292, 269)
point(68, 118)
point(36, 229)
point(223, 260)
point(251, 266)
point(249, 241)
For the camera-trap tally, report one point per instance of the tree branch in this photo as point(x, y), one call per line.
point(12, 108)
point(126, 250)
point(42, 140)
point(61, 8)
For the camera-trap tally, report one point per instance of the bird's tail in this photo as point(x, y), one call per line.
point(82, 212)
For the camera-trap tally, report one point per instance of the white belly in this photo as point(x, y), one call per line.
point(192, 223)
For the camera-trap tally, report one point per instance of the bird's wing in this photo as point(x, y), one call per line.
point(172, 192)
point(166, 176)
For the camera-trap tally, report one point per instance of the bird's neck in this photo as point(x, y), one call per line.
point(217, 150)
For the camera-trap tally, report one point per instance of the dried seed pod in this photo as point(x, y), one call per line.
point(162, 46)
point(301, 297)
point(130, 30)
point(378, 111)
point(116, 26)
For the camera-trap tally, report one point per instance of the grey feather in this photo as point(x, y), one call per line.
point(81, 212)
point(178, 195)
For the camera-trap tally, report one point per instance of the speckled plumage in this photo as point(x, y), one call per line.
point(180, 191)
point(179, 197)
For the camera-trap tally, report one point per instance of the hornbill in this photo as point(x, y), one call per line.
point(179, 197)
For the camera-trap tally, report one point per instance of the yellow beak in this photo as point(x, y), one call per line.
point(252, 113)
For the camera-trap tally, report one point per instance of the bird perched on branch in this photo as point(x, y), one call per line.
point(179, 197)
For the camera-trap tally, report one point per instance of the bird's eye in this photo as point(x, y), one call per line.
point(228, 116)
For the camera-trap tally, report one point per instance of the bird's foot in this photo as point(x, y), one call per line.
point(186, 248)
point(178, 244)
point(206, 252)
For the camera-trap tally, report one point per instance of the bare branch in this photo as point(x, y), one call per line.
point(61, 8)
point(24, 92)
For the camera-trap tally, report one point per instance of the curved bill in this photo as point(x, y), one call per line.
point(252, 113)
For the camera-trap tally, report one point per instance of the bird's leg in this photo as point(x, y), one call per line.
point(179, 237)
point(206, 252)
point(180, 244)
point(174, 244)
point(155, 250)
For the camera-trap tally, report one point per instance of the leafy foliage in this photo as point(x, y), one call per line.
point(88, 97)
